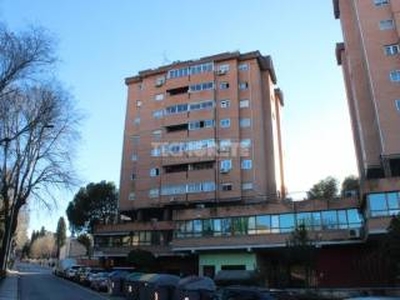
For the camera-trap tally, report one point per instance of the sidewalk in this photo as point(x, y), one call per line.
point(9, 286)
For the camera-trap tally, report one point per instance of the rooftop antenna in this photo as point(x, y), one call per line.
point(166, 60)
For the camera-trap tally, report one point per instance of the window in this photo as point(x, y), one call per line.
point(386, 24)
point(243, 67)
point(208, 186)
point(304, 219)
point(136, 121)
point(157, 134)
point(159, 81)
point(286, 222)
point(154, 172)
point(244, 103)
point(246, 164)
point(135, 140)
point(201, 87)
point(133, 176)
point(159, 97)
point(245, 143)
point(263, 224)
point(225, 123)
point(131, 196)
point(245, 122)
point(395, 75)
point(202, 68)
point(226, 165)
point(175, 109)
point(275, 223)
point(381, 2)
point(397, 103)
point(194, 125)
point(223, 68)
point(224, 85)
point(154, 193)
point(391, 49)
point(243, 85)
point(226, 226)
point(134, 157)
point(201, 105)
point(225, 103)
point(384, 204)
point(342, 219)
point(158, 114)
point(196, 69)
point(247, 186)
point(156, 152)
point(225, 145)
point(329, 219)
point(226, 187)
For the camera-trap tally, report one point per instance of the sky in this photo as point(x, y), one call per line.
point(99, 43)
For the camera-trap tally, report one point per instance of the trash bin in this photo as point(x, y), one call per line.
point(115, 282)
point(158, 287)
point(195, 288)
point(131, 286)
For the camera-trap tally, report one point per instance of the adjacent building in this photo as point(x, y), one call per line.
point(370, 58)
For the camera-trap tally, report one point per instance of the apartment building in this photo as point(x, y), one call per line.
point(203, 132)
point(202, 181)
point(371, 67)
point(370, 59)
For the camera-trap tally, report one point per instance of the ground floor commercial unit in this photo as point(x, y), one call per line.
point(346, 236)
point(340, 265)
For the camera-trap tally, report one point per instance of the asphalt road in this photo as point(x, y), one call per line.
point(37, 283)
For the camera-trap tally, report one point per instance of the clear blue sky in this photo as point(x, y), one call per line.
point(102, 42)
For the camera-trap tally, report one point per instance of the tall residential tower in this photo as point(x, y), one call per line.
point(370, 57)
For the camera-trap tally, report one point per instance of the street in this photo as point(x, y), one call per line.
point(38, 283)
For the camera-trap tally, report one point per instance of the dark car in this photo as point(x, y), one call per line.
point(99, 282)
point(89, 275)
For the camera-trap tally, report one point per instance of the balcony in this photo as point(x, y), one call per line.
point(320, 238)
point(381, 185)
point(122, 251)
point(133, 226)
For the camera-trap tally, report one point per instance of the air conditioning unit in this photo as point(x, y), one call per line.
point(354, 233)
point(221, 72)
point(153, 220)
point(200, 206)
point(160, 81)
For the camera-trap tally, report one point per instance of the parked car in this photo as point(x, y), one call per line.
point(90, 275)
point(99, 281)
point(70, 272)
point(80, 274)
point(62, 265)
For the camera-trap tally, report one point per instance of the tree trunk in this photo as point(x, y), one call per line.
point(9, 230)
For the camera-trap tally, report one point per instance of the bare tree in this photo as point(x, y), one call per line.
point(38, 127)
point(44, 247)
